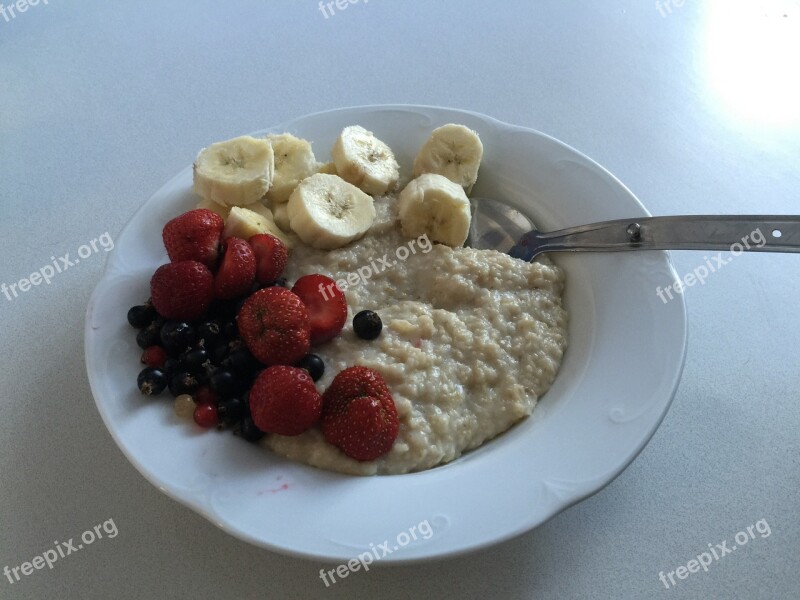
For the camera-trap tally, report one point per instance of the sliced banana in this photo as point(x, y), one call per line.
point(454, 151)
point(365, 161)
point(327, 212)
point(281, 217)
point(245, 223)
point(329, 168)
point(222, 211)
point(235, 172)
point(262, 210)
point(294, 161)
point(432, 204)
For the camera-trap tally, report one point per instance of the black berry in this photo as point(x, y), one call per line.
point(367, 325)
point(151, 381)
point(224, 383)
point(249, 431)
point(183, 383)
point(149, 336)
point(177, 336)
point(219, 355)
point(243, 361)
point(195, 360)
point(210, 333)
point(231, 411)
point(141, 316)
point(314, 365)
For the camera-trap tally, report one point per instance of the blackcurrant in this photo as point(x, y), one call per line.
point(183, 383)
point(367, 325)
point(249, 431)
point(194, 360)
point(141, 316)
point(210, 333)
point(151, 381)
point(314, 365)
point(243, 361)
point(224, 383)
point(231, 411)
point(149, 336)
point(177, 336)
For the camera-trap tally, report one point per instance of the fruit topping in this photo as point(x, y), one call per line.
point(274, 325)
point(326, 304)
point(367, 325)
point(359, 416)
point(182, 290)
point(285, 401)
point(271, 257)
point(237, 272)
point(194, 235)
point(314, 365)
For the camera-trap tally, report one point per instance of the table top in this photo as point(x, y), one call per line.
point(694, 106)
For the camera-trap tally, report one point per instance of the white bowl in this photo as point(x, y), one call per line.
point(625, 357)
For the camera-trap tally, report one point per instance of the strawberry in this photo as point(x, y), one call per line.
point(326, 303)
point(284, 400)
point(271, 257)
point(273, 323)
point(182, 290)
point(365, 429)
point(359, 415)
point(194, 236)
point(237, 272)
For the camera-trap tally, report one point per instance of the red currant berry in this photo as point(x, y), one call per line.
point(205, 415)
point(154, 356)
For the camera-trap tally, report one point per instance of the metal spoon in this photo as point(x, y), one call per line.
point(497, 226)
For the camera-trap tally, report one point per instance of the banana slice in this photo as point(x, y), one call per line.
point(432, 204)
point(454, 151)
point(327, 212)
point(262, 210)
point(329, 168)
point(222, 211)
point(294, 161)
point(281, 217)
point(365, 161)
point(245, 223)
point(236, 172)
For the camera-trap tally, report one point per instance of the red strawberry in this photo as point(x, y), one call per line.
point(194, 236)
point(285, 401)
point(326, 303)
point(273, 323)
point(182, 290)
point(271, 257)
point(352, 383)
point(237, 272)
point(359, 415)
point(365, 429)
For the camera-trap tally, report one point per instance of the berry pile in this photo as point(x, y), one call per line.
point(232, 344)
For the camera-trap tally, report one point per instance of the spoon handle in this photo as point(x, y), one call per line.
point(759, 233)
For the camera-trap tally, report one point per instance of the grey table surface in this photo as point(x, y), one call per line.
point(693, 105)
